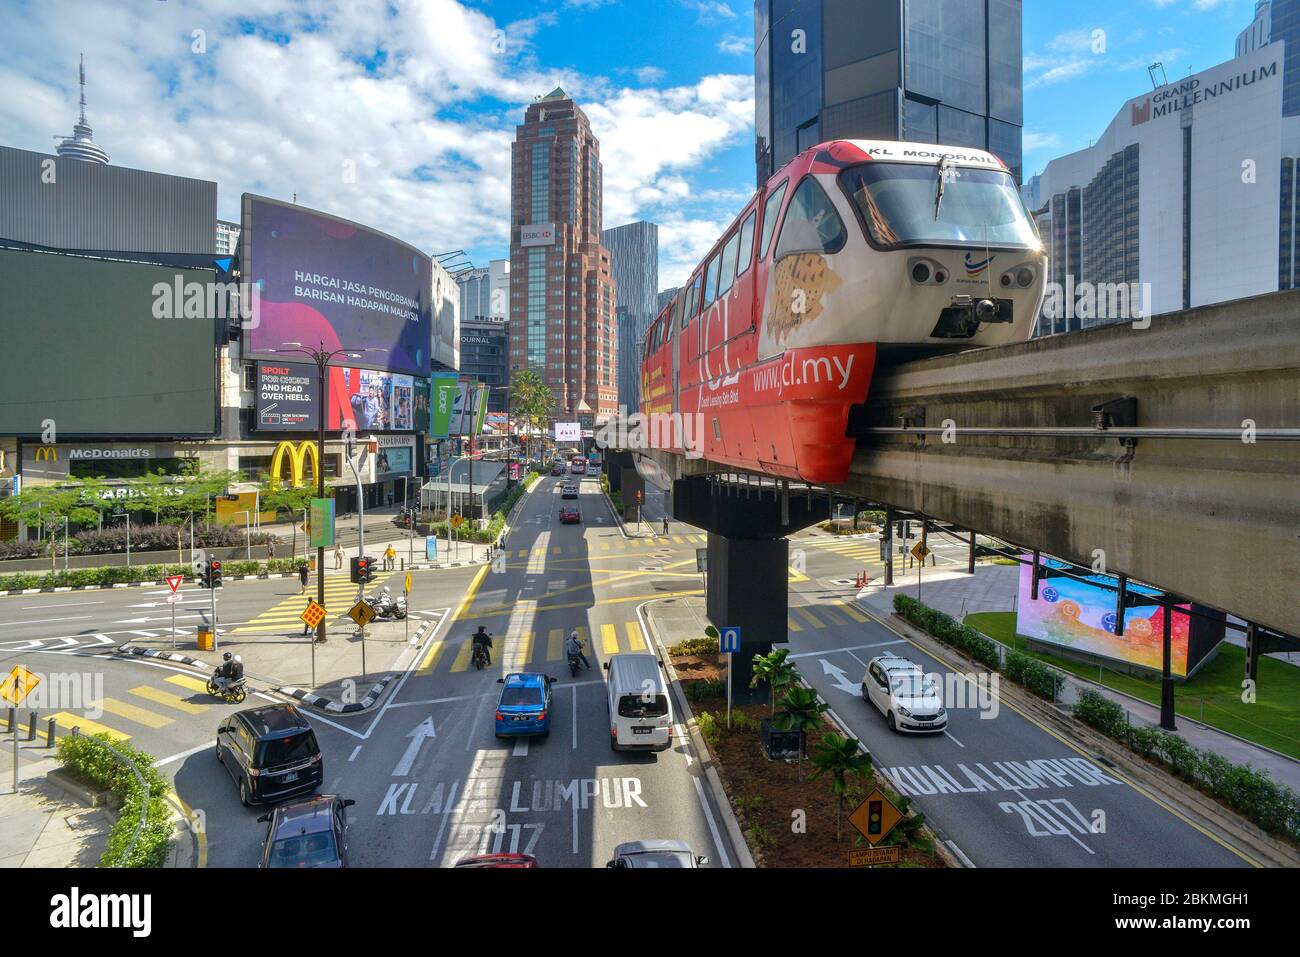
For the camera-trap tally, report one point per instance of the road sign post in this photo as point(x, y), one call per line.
point(729, 644)
point(174, 583)
point(875, 817)
point(406, 619)
point(920, 553)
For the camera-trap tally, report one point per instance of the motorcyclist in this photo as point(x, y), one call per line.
point(230, 671)
point(484, 640)
point(573, 647)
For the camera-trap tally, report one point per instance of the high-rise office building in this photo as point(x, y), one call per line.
point(634, 261)
point(484, 356)
point(226, 242)
point(664, 298)
point(561, 285)
point(929, 71)
point(485, 292)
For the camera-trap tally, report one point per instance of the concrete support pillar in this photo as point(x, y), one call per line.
point(1166, 678)
point(747, 589)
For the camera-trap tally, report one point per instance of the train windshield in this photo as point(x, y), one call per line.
point(979, 207)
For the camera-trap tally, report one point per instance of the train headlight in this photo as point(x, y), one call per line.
point(1007, 279)
point(926, 272)
point(1025, 277)
point(921, 273)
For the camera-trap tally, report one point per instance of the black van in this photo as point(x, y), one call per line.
point(271, 752)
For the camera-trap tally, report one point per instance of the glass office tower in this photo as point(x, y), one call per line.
point(930, 71)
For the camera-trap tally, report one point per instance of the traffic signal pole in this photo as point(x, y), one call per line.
point(321, 360)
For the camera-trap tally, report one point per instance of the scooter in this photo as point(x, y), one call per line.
point(480, 657)
point(386, 606)
point(233, 691)
point(575, 665)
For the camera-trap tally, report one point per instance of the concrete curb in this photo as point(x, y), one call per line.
point(738, 842)
point(1202, 810)
point(188, 580)
point(419, 635)
point(338, 707)
point(163, 655)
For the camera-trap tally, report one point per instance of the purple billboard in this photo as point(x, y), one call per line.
point(321, 279)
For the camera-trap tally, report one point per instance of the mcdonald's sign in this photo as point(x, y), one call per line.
point(47, 453)
point(297, 453)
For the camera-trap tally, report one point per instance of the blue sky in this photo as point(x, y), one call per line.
point(399, 113)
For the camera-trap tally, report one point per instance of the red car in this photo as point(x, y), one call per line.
point(570, 516)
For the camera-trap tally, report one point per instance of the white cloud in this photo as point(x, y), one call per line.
point(710, 11)
point(1031, 140)
point(419, 97)
point(649, 74)
point(736, 45)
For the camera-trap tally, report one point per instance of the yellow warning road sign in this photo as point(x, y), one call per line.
point(875, 817)
point(362, 614)
point(457, 521)
point(18, 685)
point(920, 552)
point(867, 856)
point(408, 583)
point(313, 614)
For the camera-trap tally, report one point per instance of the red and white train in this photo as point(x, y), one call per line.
point(855, 252)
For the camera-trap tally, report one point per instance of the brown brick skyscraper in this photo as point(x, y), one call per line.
point(561, 289)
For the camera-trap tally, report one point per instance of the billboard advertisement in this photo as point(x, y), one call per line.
point(367, 400)
point(89, 345)
point(446, 319)
point(397, 459)
point(1080, 615)
point(420, 418)
point(443, 402)
point(469, 408)
point(567, 431)
point(288, 396)
point(326, 280)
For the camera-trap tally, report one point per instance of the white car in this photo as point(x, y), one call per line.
point(909, 700)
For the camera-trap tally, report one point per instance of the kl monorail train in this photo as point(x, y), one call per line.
point(856, 252)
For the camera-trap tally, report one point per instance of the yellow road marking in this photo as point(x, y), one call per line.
point(834, 617)
point(812, 619)
point(526, 647)
point(158, 696)
point(635, 639)
point(462, 656)
point(150, 719)
point(554, 644)
point(609, 639)
point(87, 726)
point(187, 681)
point(792, 624)
point(522, 553)
point(849, 610)
point(431, 657)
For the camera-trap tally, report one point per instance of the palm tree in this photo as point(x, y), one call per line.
point(801, 710)
point(839, 757)
point(531, 399)
point(775, 670)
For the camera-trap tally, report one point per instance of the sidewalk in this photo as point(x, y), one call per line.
point(994, 588)
point(41, 826)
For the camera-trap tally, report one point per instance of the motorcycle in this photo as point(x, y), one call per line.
point(386, 607)
point(233, 690)
point(480, 656)
point(575, 665)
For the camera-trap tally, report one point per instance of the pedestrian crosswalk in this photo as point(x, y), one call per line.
point(146, 706)
point(859, 549)
point(523, 648)
point(614, 545)
point(340, 595)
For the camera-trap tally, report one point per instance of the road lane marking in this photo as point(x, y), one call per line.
point(555, 644)
point(158, 696)
point(463, 656)
point(521, 748)
point(63, 604)
point(635, 640)
point(431, 657)
point(609, 639)
point(961, 854)
point(955, 741)
point(849, 610)
point(65, 720)
point(525, 652)
point(355, 751)
point(811, 618)
point(42, 621)
point(713, 827)
point(834, 651)
point(574, 711)
point(792, 624)
point(150, 719)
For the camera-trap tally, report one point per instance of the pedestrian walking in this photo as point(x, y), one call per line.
point(270, 549)
point(665, 526)
point(302, 577)
point(338, 556)
point(390, 556)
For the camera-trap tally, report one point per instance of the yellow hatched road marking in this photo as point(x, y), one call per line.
point(187, 681)
point(792, 624)
point(554, 644)
point(522, 553)
point(812, 619)
point(835, 617)
point(150, 719)
point(609, 639)
point(679, 540)
point(158, 696)
point(431, 657)
point(849, 610)
point(635, 639)
point(604, 546)
point(557, 550)
point(462, 656)
point(65, 720)
point(526, 647)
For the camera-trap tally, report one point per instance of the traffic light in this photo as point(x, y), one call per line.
point(640, 496)
point(214, 575)
point(362, 570)
point(206, 580)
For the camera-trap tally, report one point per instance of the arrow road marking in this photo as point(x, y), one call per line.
point(418, 734)
point(841, 678)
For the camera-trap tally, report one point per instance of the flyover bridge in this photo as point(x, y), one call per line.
point(1170, 453)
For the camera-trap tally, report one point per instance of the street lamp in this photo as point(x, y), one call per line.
point(322, 357)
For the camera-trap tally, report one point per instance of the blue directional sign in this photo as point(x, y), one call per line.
point(729, 641)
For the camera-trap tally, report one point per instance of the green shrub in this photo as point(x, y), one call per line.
point(708, 688)
point(89, 758)
point(1101, 713)
point(740, 721)
point(695, 646)
point(1044, 681)
point(707, 723)
point(757, 836)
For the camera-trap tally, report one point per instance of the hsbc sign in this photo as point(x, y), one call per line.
point(538, 234)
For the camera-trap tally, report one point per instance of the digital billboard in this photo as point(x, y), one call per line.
point(322, 279)
point(368, 400)
point(1080, 615)
point(288, 396)
point(93, 347)
point(567, 431)
point(420, 403)
point(443, 390)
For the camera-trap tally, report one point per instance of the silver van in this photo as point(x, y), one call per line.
point(640, 711)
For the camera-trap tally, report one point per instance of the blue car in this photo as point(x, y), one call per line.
point(525, 705)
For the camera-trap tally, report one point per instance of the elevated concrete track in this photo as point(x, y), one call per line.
point(1170, 453)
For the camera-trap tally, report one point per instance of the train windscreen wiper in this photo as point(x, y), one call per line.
point(944, 165)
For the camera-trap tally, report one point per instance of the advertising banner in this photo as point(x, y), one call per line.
point(322, 523)
point(323, 279)
point(1081, 615)
point(443, 398)
point(395, 460)
point(288, 396)
point(360, 399)
point(420, 418)
point(403, 408)
point(567, 432)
